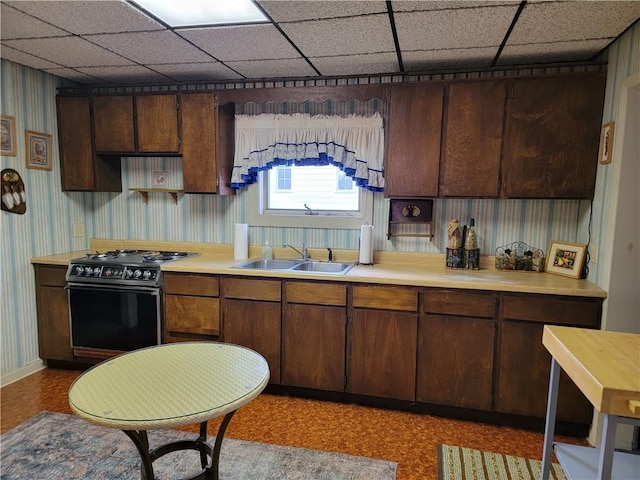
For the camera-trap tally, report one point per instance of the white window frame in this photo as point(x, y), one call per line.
point(258, 215)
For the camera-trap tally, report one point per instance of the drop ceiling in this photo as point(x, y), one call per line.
point(111, 42)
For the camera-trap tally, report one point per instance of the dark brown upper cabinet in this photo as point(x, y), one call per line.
point(553, 135)
point(140, 124)
point(413, 147)
point(81, 169)
point(473, 139)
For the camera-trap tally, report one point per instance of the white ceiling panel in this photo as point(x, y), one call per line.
point(447, 29)
point(184, 72)
point(68, 51)
point(26, 59)
point(16, 24)
point(74, 75)
point(356, 64)
point(94, 16)
point(126, 74)
point(462, 58)
point(151, 47)
point(292, 11)
point(245, 42)
point(342, 36)
point(550, 52)
point(544, 22)
point(425, 5)
point(275, 68)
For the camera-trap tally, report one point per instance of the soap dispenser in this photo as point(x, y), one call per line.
point(267, 251)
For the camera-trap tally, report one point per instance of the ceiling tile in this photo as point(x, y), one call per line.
point(68, 51)
point(289, 11)
point(184, 72)
point(244, 42)
point(456, 59)
point(342, 36)
point(463, 28)
point(357, 64)
point(22, 58)
point(126, 74)
point(80, 17)
point(574, 51)
point(16, 24)
point(421, 5)
point(273, 68)
point(561, 21)
point(74, 75)
point(148, 48)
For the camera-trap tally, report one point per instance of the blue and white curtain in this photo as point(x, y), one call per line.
point(355, 144)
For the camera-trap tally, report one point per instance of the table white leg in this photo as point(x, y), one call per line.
point(607, 444)
point(550, 422)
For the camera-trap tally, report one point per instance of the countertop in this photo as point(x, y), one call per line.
point(391, 268)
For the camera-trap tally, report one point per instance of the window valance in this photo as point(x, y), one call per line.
point(355, 144)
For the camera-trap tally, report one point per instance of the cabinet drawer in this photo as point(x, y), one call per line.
point(544, 309)
point(316, 293)
point(189, 284)
point(195, 315)
point(459, 302)
point(385, 298)
point(251, 289)
point(52, 276)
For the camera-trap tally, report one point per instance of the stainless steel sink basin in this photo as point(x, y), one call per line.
point(259, 264)
point(300, 266)
point(320, 267)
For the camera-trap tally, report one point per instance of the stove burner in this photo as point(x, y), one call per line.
point(101, 256)
point(157, 257)
point(121, 252)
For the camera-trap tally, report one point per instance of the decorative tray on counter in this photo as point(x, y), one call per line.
point(519, 256)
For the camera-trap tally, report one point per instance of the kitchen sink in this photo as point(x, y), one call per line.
point(300, 266)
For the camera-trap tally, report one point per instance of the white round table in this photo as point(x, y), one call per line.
point(169, 386)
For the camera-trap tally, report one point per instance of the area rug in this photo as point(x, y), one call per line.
point(458, 463)
point(57, 446)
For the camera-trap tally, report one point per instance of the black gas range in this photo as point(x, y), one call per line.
point(122, 267)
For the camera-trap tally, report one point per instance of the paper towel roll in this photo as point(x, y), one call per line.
point(366, 245)
point(241, 241)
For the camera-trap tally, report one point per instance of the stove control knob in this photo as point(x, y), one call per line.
point(137, 274)
point(147, 274)
point(96, 272)
point(88, 271)
point(78, 270)
point(128, 273)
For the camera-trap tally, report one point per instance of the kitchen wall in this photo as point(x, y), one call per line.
point(46, 228)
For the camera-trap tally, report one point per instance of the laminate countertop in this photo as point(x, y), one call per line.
point(390, 268)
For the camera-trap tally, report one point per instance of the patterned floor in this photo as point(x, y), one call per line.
point(409, 439)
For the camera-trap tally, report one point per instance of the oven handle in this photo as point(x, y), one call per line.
point(114, 288)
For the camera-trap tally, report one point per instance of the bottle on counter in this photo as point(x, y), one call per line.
point(471, 240)
point(471, 250)
point(267, 251)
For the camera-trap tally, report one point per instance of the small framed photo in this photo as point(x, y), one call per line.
point(566, 259)
point(606, 143)
point(160, 179)
point(38, 150)
point(8, 134)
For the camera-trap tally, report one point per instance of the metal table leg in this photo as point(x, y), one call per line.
point(550, 422)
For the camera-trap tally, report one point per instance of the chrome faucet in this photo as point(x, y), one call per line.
point(304, 253)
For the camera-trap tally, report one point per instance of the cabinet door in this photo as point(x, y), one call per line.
point(313, 347)
point(80, 168)
point(473, 139)
point(413, 148)
point(455, 361)
point(113, 123)
point(191, 318)
point(554, 133)
point(382, 354)
point(54, 332)
point(199, 159)
point(157, 123)
point(255, 325)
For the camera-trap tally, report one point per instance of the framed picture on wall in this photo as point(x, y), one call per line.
point(606, 142)
point(8, 133)
point(38, 150)
point(566, 259)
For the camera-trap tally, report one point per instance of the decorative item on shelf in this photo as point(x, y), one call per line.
point(519, 256)
point(471, 252)
point(14, 198)
point(409, 211)
point(566, 259)
point(454, 242)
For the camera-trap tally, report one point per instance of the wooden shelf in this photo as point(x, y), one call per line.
point(410, 211)
point(144, 192)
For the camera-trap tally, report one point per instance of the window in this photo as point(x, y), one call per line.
point(308, 196)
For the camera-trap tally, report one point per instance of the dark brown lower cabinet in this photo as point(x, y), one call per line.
point(524, 363)
point(251, 313)
point(54, 331)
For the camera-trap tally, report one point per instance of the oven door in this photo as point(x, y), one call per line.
point(112, 319)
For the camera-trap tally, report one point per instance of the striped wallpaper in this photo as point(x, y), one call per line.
point(46, 228)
